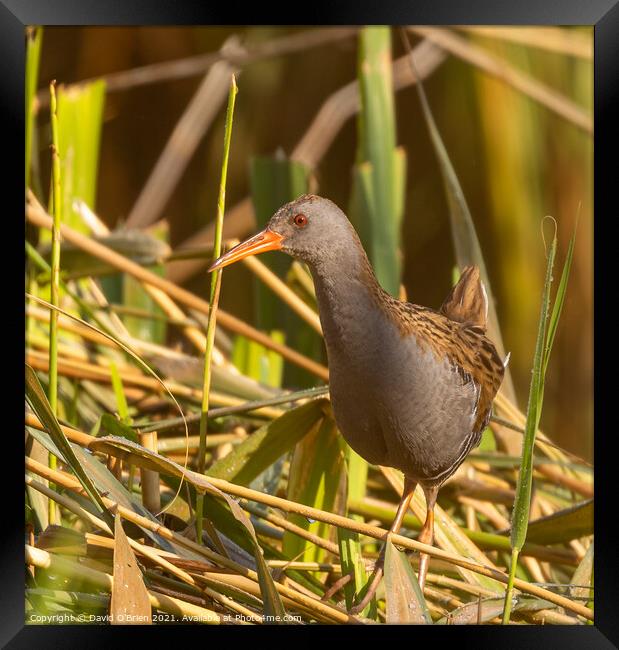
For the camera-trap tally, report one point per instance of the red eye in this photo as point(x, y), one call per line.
point(300, 220)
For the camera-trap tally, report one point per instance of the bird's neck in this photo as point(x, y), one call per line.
point(350, 300)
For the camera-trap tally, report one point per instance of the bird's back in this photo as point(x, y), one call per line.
point(424, 385)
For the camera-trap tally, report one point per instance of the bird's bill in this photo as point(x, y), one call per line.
point(265, 240)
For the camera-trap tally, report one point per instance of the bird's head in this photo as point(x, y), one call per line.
point(306, 228)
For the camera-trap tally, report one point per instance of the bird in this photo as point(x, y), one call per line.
point(410, 387)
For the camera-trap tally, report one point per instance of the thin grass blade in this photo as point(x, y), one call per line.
point(214, 299)
point(119, 392)
point(522, 503)
point(134, 295)
point(520, 515)
point(55, 272)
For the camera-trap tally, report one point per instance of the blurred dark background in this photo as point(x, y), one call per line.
point(516, 160)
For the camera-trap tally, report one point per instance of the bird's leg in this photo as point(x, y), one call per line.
point(377, 574)
point(426, 536)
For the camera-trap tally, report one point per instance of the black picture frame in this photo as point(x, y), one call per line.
point(602, 14)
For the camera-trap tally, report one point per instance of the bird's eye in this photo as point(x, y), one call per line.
point(300, 220)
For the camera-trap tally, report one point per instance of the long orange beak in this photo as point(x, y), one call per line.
point(265, 240)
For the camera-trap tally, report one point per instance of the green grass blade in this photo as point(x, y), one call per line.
point(376, 88)
point(590, 601)
point(352, 562)
point(240, 354)
point(258, 363)
point(114, 427)
point(275, 373)
point(522, 503)
point(274, 181)
point(584, 576)
point(520, 515)
point(80, 123)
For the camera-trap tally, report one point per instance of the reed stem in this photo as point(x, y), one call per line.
point(213, 302)
point(55, 277)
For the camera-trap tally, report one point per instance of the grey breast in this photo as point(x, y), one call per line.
point(397, 404)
